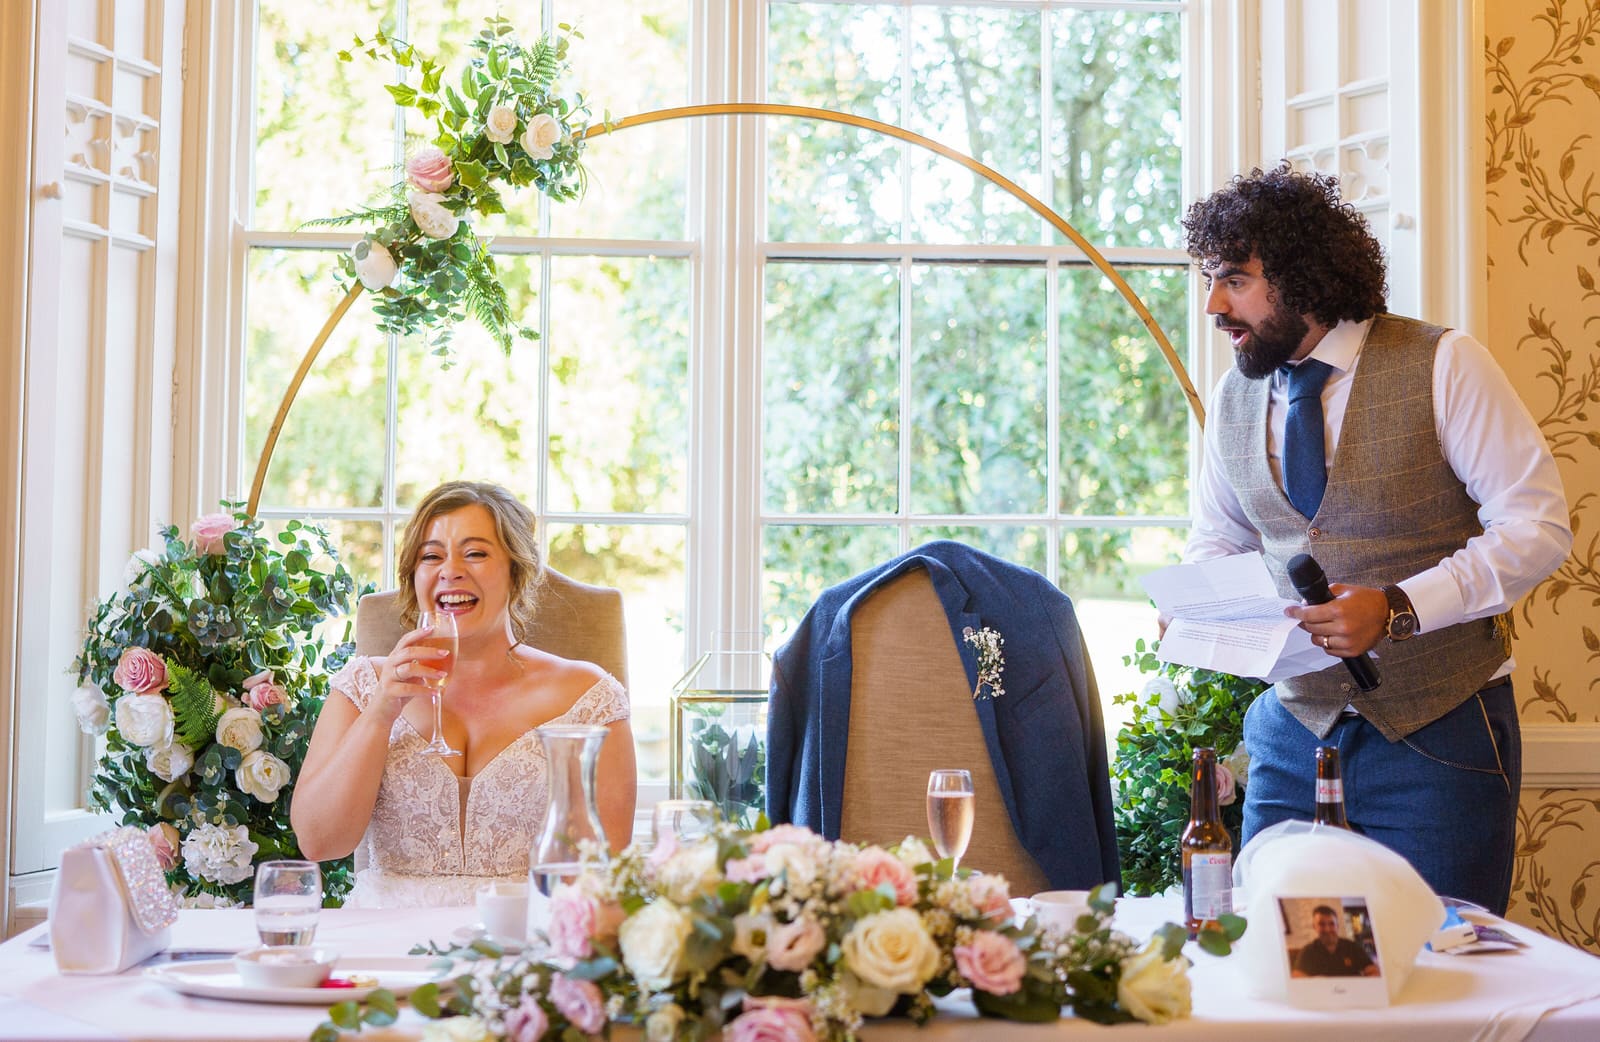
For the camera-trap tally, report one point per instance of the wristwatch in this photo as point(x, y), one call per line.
point(1402, 619)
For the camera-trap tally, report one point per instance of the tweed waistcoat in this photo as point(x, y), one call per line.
point(1393, 508)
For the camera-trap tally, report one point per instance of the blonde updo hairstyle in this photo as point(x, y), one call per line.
point(514, 524)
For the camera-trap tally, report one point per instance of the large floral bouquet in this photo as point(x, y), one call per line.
point(503, 120)
point(205, 676)
point(1179, 709)
point(779, 934)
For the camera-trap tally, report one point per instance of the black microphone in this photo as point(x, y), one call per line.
point(1312, 586)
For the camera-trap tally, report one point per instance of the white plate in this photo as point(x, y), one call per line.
point(218, 979)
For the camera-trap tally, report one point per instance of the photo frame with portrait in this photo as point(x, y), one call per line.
point(1330, 946)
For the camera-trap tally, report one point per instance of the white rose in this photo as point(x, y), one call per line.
point(1238, 762)
point(375, 265)
point(261, 775)
point(240, 728)
point(539, 140)
point(891, 950)
point(1170, 698)
point(662, 1025)
point(500, 124)
point(169, 762)
point(139, 565)
point(913, 852)
point(89, 705)
point(219, 855)
point(457, 1029)
point(652, 942)
point(690, 872)
point(1152, 988)
point(427, 209)
point(796, 865)
point(144, 720)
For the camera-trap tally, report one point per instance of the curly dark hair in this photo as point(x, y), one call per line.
point(1315, 249)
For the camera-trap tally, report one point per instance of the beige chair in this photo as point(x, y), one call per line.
point(572, 619)
point(911, 712)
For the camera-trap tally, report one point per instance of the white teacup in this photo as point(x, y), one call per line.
point(503, 911)
point(1059, 909)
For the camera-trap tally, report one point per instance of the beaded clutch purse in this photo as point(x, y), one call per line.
point(110, 906)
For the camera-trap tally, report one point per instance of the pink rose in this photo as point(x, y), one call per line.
point(580, 1002)
point(772, 1020)
point(991, 962)
point(745, 869)
point(991, 895)
point(572, 923)
point(207, 532)
point(430, 170)
point(263, 677)
point(876, 866)
point(761, 842)
point(265, 694)
point(164, 840)
point(792, 946)
point(141, 671)
point(527, 1022)
point(1227, 786)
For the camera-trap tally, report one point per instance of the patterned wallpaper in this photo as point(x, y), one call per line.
point(1542, 109)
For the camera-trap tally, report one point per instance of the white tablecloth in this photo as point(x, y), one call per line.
point(1549, 992)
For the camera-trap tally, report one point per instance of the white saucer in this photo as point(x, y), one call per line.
point(217, 979)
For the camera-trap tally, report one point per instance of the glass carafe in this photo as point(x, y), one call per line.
point(572, 822)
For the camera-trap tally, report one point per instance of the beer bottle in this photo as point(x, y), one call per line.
point(1330, 789)
point(1207, 849)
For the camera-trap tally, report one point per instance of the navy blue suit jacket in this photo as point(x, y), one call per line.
point(1045, 735)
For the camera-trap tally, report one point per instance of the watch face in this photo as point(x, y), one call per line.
point(1402, 625)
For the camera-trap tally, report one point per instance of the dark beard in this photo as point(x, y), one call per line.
point(1269, 345)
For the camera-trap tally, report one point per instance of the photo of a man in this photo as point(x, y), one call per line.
point(1339, 942)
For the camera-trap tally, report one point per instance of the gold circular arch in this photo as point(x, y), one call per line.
point(802, 112)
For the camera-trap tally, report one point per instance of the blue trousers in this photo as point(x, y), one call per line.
point(1444, 797)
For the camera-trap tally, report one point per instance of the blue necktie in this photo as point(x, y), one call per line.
point(1305, 464)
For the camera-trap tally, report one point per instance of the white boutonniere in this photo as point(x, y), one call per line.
point(991, 663)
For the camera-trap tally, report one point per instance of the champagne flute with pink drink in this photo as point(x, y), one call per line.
point(443, 636)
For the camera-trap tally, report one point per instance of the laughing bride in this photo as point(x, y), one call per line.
point(433, 829)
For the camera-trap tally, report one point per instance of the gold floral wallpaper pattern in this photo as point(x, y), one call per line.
point(1542, 115)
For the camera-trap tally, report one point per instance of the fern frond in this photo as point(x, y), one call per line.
point(544, 65)
point(366, 215)
point(194, 706)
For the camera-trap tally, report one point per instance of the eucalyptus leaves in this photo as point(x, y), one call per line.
point(506, 123)
point(205, 674)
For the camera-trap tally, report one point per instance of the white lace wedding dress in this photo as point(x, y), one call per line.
point(435, 838)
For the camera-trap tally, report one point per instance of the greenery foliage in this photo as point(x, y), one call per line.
point(727, 765)
point(1180, 710)
point(205, 675)
point(780, 934)
point(446, 272)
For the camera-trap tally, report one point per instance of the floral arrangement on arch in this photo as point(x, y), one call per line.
point(205, 675)
point(1179, 709)
point(508, 123)
point(778, 934)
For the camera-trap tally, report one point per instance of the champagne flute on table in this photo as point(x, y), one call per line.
point(443, 636)
point(288, 896)
point(950, 812)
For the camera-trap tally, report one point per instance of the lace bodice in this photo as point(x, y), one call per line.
point(420, 847)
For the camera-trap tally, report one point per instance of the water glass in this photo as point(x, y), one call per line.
point(287, 899)
point(684, 820)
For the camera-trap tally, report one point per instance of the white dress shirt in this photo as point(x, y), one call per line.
point(1486, 435)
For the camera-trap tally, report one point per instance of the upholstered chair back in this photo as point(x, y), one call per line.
point(910, 713)
point(571, 619)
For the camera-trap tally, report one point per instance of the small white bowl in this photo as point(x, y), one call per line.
point(284, 966)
